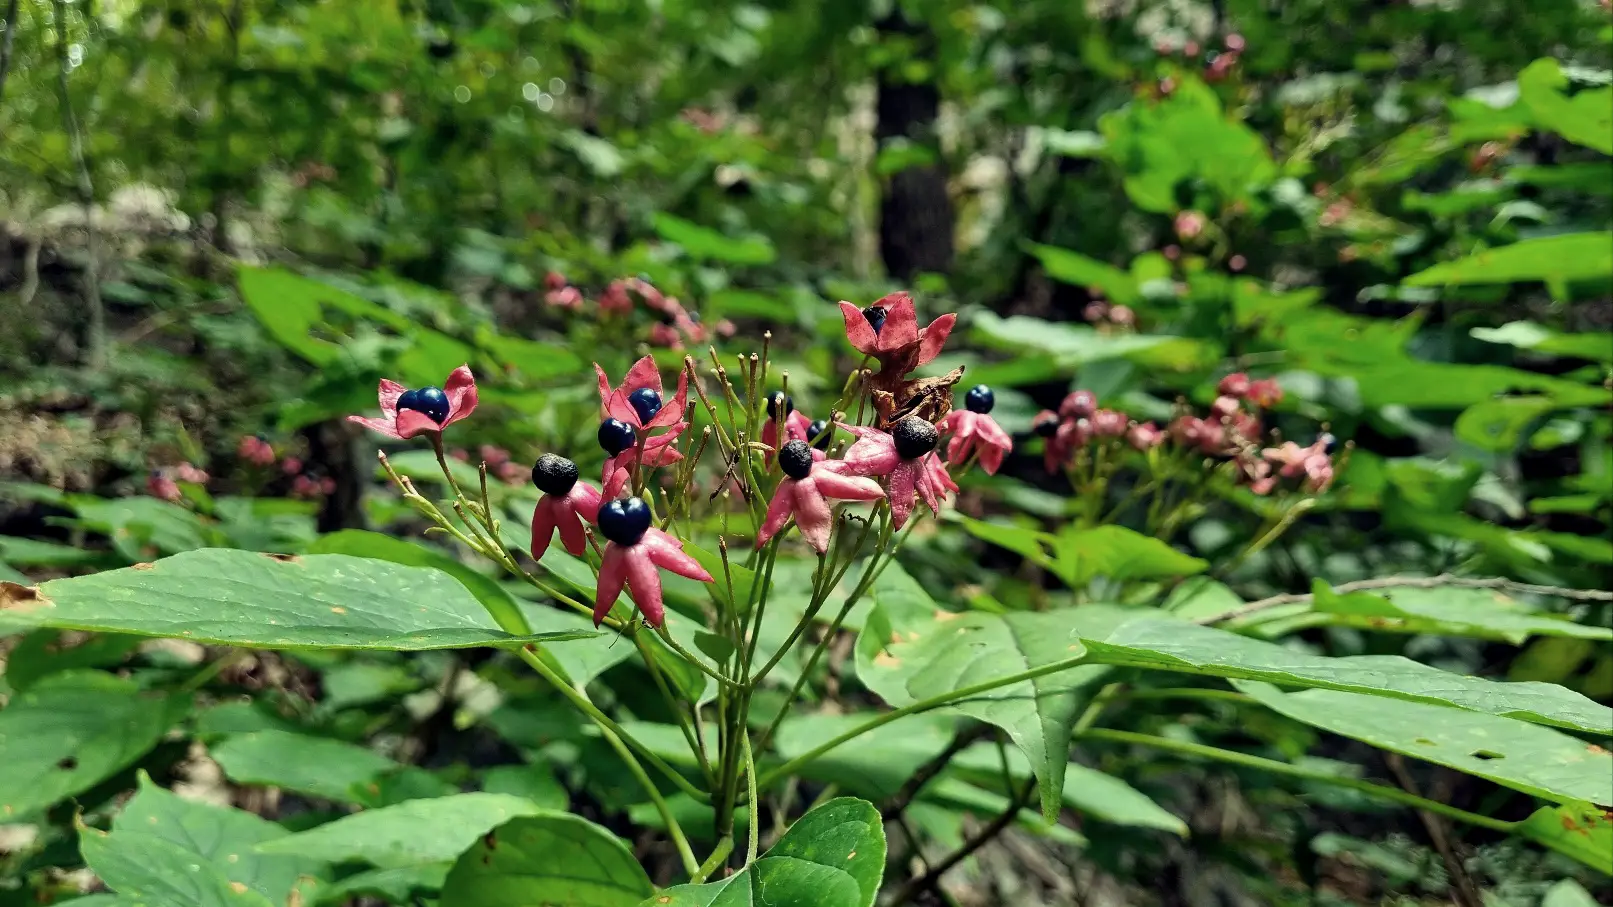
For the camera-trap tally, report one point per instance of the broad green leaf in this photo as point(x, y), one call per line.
point(1552, 259)
point(406, 834)
point(500, 604)
point(1169, 645)
point(1074, 345)
point(1069, 266)
point(153, 870)
point(706, 244)
point(534, 782)
point(1467, 612)
point(72, 731)
point(394, 886)
point(834, 856)
point(1501, 424)
point(1584, 117)
point(241, 598)
point(20, 552)
point(219, 835)
point(1527, 335)
point(46, 652)
point(907, 652)
point(1088, 791)
point(1081, 555)
point(547, 858)
point(318, 766)
point(1537, 760)
point(1580, 830)
point(1569, 893)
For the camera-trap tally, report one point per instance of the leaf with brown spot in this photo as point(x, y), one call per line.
point(20, 598)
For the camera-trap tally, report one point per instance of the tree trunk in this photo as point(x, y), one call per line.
point(915, 212)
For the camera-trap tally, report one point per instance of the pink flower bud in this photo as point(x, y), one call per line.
point(1191, 49)
point(1172, 252)
point(666, 335)
point(1144, 435)
point(725, 328)
point(255, 451)
point(1189, 224)
point(1265, 393)
point(554, 280)
point(291, 466)
point(1234, 385)
point(1107, 423)
point(564, 298)
point(1235, 43)
point(1078, 405)
point(1237, 263)
point(160, 485)
point(1095, 311)
point(1123, 316)
point(185, 472)
point(1225, 406)
point(615, 299)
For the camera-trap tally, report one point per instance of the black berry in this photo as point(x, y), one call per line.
point(616, 436)
point(624, 522)
point(428, 400)
point(821, 434)
point(876, 316)
point(795, 458)
point(779, 406)
point(645, 402)
point(914, 437)
point(1046, 425)
point(554, 474)
point(979, 399)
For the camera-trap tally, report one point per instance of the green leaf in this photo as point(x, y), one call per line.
point(224, 837)
point(152, 870)
point(907, 652)
point(1170, 645)
point(500, 604)
point(1580, 830)
point(317, 766)
point(22, 552)
point(1569, 893)
point(1527, 335)
point(534, 782)
point(406, 834)
point(1466, 612)
point(46, 652)
point(1552, 259)
point(72, 731)
point(1584, 118)
point(548, 858)
point(1068, 266)
point(1089, 791)
point(1080, 555)
point(834, 856)
point(706, 244)
point(1500, 425)
point(1535, 760)
point(394, 886)
point(240, 598)
point(1073, 345)
point(289, 307)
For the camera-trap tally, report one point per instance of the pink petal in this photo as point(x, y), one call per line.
point(901, 326)
point(846, 488)
point(642, 374)
point(778, 511)
point(543, 523)
point(872, 454)
point(797, 426)
point(612, 574)
point(389, 392)
point(935, 337)
point(953, 421)
point(617, 407)
point(926, 486)
point(959, 448)
point(858, 330)
point(644, 584)
point(384, 426)
point(667, 553)
point(614, 486)
point(671, 410)
point(903, 486)
point(604, 388)
point(461, 390)
point(991, 459)
point(812, 514)
point(770, 434)
point(412, 424)
point(993, 434)
point(613, 467)
point(585, 499)
point(571, 532)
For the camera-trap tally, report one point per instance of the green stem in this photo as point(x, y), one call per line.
point(1293, 771)
point(673, 704)
point(666, 637)
point(755, 835)
point(529, 655)
point(923, 705)
point(690, 865)
point(725, 846)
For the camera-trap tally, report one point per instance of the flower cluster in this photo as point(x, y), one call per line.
point(675, 325)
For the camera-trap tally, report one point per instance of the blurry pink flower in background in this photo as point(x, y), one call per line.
point(161, 485)
point(1189, 224)
point(255, 451)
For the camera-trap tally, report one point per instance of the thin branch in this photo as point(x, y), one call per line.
point(910, 789)
point(1444, 580)
point(933, 878)
point(1462, 889)
point(6, 43)
point(95, 334)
